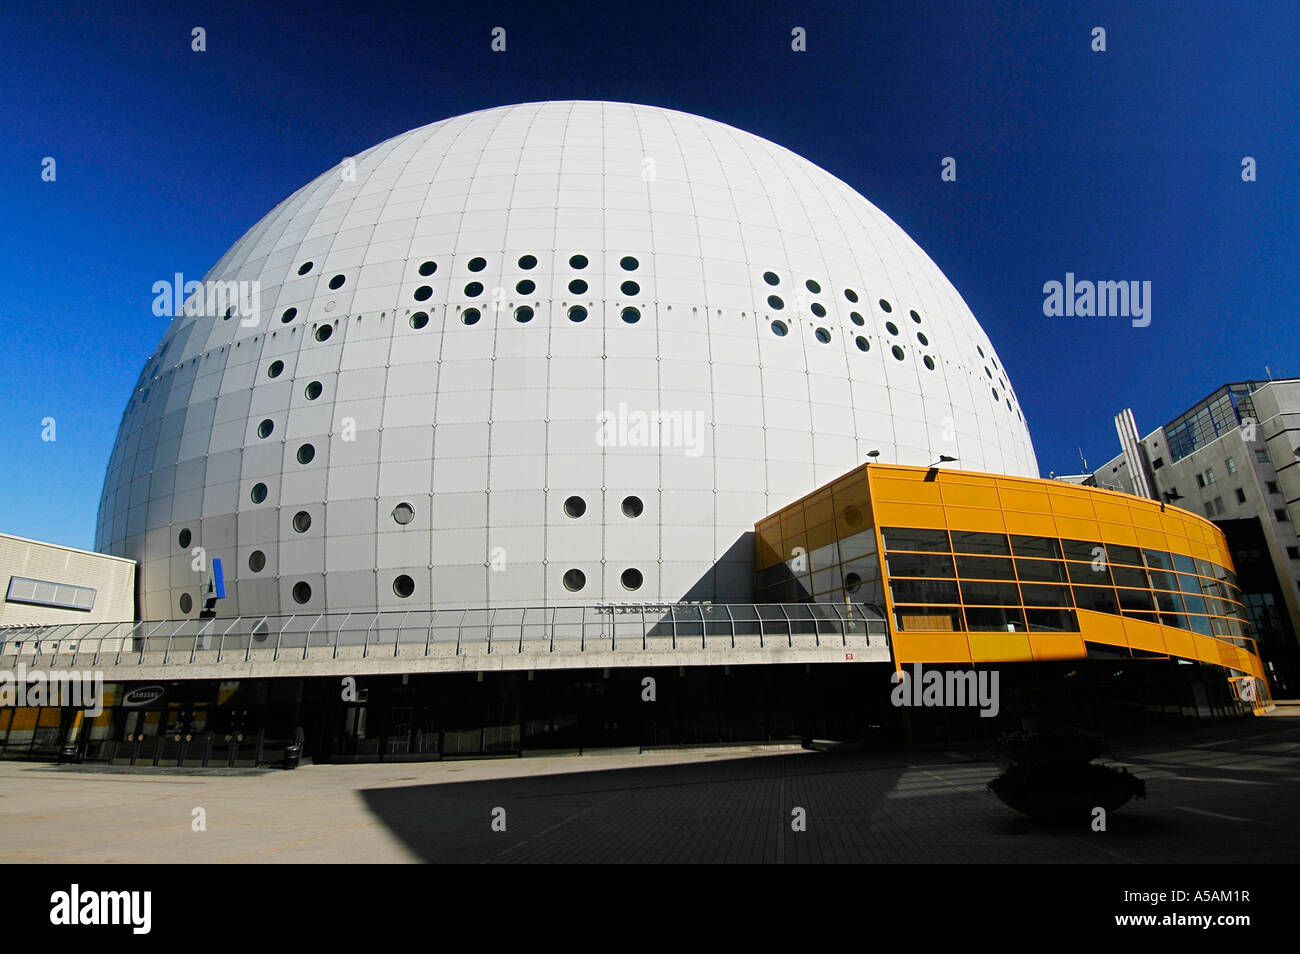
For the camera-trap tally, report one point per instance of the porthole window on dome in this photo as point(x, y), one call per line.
point(527, 261)
point(632, 506)
point(629, 288)
point(306, 454)
point(574, 580)
point(780, 329)
point(929, 362)
point(813, 287)
point(257, 561)
point(852, 582)
point(631, 579)
point(477, 264)
point(577, 287)
point(419, 320)
point(885, 306)
point(897, 352)
point(323, 332)
point(186, 602)
point(473, 289)
point(577, 261)
point(823, 335)
point(628, 263)
point(403, 586)
point(988, 372)
point(526, 287)
point(265, 428)
point(920, 336)
point(301, 592)
point(891, 328)
point(818, 309)
point(851, 295)
point(423, 293)
point(995, 395)
point(857, 319)
point(775, 303)
point(184, 538)
point(289, 315)
point(980, 350)
point(258, 493)
point(470, 316)
point(862, 343)
point(771, 279)
point(301, 521)
point(915, 317)
point(524, 314)
point(276, 369)
point(428, 268)
point(575, 507)
point(313, 390)
point(630, 315)
point(305, 267)
point(577, 313)
point(403, 513)
point(337, 282)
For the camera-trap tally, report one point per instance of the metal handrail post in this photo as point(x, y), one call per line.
point(644, 644)
point(704, 628)
point(365, 643)
point(428, 639)
point(789, 626)
point(491, 622)
point(554, 611)
point(523, 619)
point(398, 638)
point(339, 632)
point(460, 629)
point(306, 639)
point(117, 661)
point(145, 643)
point(582, 630)
point(732, 620)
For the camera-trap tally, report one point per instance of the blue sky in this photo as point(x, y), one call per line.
point(1123, 165)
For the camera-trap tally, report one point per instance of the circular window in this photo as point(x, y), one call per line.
point(473, 289)
point(304, 268)
point(403, 586)
point(302, 521)
point(1008, 404)
point(897, 352)
point(993, 361)
point(628, 263)
point(885, 306)
point(823, 335)
point(575, 506)
point(630, 315)
point(428, 268)
point(323, 332)
point(470, 316)
point(313, 390)
point(257, 561)
point(775, 303)
point(780, 329)
point(301, 592)
point(477, 264)
point(771, 279)
point(258, 493)
point(403, 513)
point(989, 373)
point(306, 454)
point(850, 294)
point(631, 579)
point(852, 583)
point(289, 315)
point(929, 362)
point(527, 261)
point(813, 287)
point(577, 287)
point(523, 314)
point(423, 293)
point(574, 580)
point(187, 602)
point(920, 336)
point(995, 395)
point(818, 309)
point(337, 282)
point(629, 288)
point(578, 261)
point(526, 287)
point(265, 428)
point(856, 318)
point(980, 350)
point(915, 317)
point(577, 313)
point(632, 507)
point(852, 516)
point(419, 320)
point(184, 538)
point(275, 370)
point(891, 327)
point(862, 343)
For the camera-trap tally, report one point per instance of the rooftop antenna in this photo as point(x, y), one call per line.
point(1084, 459)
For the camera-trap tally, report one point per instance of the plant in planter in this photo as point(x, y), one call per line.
point(1051, 775)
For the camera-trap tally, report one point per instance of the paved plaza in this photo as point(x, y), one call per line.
point(1224, 793)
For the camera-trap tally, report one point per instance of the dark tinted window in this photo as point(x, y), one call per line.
point(1041, 594)
point(984, 568)
point(1129, 576)
point(1099, 599)
point(1088, 574)
point(996, 594)
point(1035, 546)
point(1048, 571)
point(1051, 621)
point(1082, 550)
point(923, 591)
point(898, 538)
point(1118, 553)
point(907, 564)
point(1134, 599)
point(966, 542)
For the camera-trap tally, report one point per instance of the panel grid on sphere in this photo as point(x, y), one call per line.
point(543, 354)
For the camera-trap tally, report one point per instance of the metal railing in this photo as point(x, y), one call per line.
point(459, 631)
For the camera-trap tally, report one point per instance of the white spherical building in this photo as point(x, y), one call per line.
point(561, 352)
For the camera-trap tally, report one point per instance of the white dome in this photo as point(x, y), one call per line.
point(486, 429)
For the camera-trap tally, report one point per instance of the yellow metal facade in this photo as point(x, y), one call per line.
point(1081, 565)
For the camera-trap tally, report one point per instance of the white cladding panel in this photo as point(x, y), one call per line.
point(444, 323)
